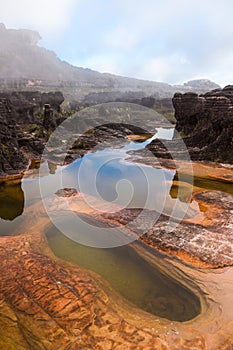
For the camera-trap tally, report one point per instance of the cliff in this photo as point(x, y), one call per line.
point(22, 128)
point(25, 64)
point(10, 155)
point(206, 123)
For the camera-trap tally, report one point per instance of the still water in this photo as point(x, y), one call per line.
point(131, 276)
point(117, 181)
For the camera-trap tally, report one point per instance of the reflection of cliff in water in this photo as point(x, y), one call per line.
point(11, 201)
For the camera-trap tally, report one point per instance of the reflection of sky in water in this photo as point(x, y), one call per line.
point(166, 134)
point(108, 176)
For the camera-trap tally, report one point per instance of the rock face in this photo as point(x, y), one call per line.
point(28, 104)
point(207, 123)
point(10, 155)
point(23, 125)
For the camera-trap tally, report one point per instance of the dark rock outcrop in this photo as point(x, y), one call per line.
point(10, 156)
point(206, 122)
point(29, 104)
point(24, 125)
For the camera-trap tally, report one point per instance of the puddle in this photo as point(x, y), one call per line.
point(133, 277)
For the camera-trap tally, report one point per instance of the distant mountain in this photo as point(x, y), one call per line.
point(25, 64)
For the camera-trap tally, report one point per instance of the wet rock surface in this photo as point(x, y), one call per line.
point(47, 306)
point(202, 237)
point(108, 135)
point(31, 285)
point(46, 303)
point(205, 242)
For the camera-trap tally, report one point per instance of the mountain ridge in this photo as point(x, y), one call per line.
point(23, 60)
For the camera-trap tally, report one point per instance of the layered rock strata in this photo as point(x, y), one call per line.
point(206, 123)
point(24, 126)
point(10, 156)
point(44, 305)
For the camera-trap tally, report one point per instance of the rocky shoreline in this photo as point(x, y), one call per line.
point(48, 303)
point(205, 123)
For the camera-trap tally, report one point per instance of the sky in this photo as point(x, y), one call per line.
point(172, 41)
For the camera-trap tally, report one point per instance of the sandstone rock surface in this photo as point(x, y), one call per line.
point(206, 123)
point(47, 306)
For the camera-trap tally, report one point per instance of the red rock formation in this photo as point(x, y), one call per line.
point(47, 306)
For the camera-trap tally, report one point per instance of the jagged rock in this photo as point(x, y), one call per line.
point(22, 136)
point(30, 104)
point(48, 122)
point(11, 158)
point(206, 122)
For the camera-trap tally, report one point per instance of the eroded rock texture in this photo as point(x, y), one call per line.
point(50, 305)
point(22, 135)
point(46, 306)
point(10, 156)
point(207, 241)
point(206, 122)
point(28, 104)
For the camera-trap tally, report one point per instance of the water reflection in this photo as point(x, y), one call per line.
point(11, 201)
point(132, 276)
point(107, 175)
point(202, 182)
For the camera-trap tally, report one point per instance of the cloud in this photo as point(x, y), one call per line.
point(47, 17)
point(103, 64)
point(164, 68)
point(167, 40)
point(121, 38)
